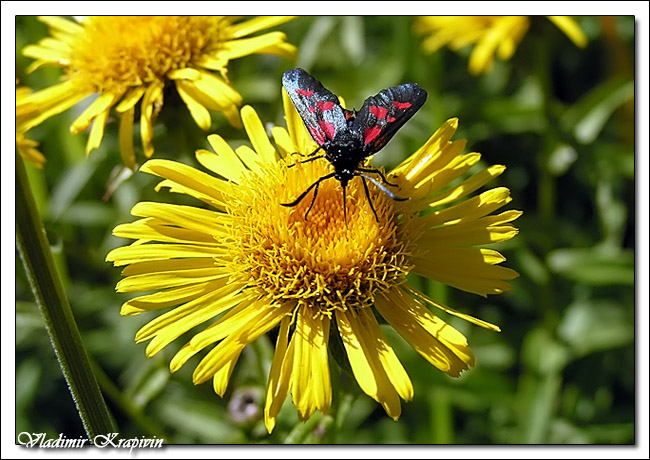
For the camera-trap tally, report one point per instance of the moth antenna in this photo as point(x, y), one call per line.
point(381, 174)
point(383, 188)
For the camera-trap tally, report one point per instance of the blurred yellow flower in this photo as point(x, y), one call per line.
point(27, 147)
point(127, 60)
point(488, 34)
point(251, 264)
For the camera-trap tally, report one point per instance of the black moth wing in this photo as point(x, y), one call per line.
point(319, 108)
point(384, 114)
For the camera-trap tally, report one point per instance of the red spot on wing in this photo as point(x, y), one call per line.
point(390, 119)
point(402, 105)
point(379, 112)
point(304, 92)
point(328, 128)
point(324, 106)
point(317, 135)
point(370, 134)
point(311, 109)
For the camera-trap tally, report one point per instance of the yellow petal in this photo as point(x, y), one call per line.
point(225, 162)
point(256, 24)
point(228, 347)
point(257, 135)
point(47, 52)
point(97, 131)
point(189, 350)
point(130, 254)
point(130, 99)
point(191, 313)
point(471, 209)
point(62, 24)
point(277, 387)
point(169, 298)
point(27, 149)
point(442, 158)
point(100, 105)
point(215, 92)
point(311, 386)
point(489, 229)
point(296, 127)
point(50, 101)
point(469, 269)
point(169, 279)
point(365, 363)
point(441, 345)
point(151, 103)
point(168, 327)
point(169, 265)
point(270, 43)
point(192, 218)
point(126, 138)
point(451, 311)
point(199, 112)
point(222, 376)
point(571, 29)
point(155, 230)
point(458, 166)
point(413, 165)
point(283, 141)
point(466, 187)
point(243, 315)
point(394, 369)
point(189, 177)
point(186, 73)
point(250, 158)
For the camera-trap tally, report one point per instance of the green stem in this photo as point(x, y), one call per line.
point(547, 193)
point(302, 430)
point(442, 417)
point(53, 303)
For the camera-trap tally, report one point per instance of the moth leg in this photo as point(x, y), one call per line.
point(381, 174)
point(345, 209)
point(313, 158)
point(310, 157)
point(365, 187)
point(304, 194)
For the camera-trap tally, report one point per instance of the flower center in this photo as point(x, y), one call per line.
point(321, 261)
point(115, 53)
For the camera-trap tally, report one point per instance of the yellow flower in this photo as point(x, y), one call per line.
point(489, 34)
point(27, 147)
point(128, 60)
point(251, 264)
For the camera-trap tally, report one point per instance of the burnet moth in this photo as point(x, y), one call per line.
point(346, 136)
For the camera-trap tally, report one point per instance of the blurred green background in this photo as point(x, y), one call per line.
point(561, 371)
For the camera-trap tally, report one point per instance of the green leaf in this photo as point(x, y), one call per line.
point(587, 118)
point(353, 38)
point(312, 44)
point(593, 266)
point(71, 184)
point(590, 325)
point(542, 353)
